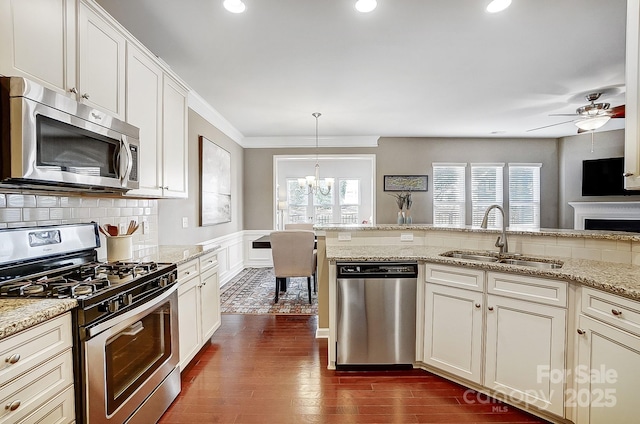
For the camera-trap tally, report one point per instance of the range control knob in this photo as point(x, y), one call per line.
point(172, 278)
point(127, 299)
point(113, 306)
point(163, 282)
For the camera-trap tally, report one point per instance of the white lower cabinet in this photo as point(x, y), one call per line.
point(198, 304)
point(526, 351)
point(36, 378)
point(608, 369)
point(453, 330)
point(189, 319)
point(513, 343)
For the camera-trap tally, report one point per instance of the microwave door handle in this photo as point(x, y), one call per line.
point(124, 146)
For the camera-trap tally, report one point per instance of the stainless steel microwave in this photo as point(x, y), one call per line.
point(50, 141)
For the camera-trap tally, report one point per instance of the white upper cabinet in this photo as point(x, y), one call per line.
point(37, 41)
point(75, 47)
point(174, 132)
point(144, 110)
point(101, 63)
point(632, 112)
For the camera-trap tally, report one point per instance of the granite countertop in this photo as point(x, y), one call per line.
point(180, 254)
point(19, 314)
point(551, 232)
point(620, 279)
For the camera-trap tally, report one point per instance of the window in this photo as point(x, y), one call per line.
point(524, 195)
point(486, 190)
point(349, 198)
point(449, 194)
point(297, 201)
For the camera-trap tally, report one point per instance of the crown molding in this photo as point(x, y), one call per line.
point(204, 109)
point(309, 141)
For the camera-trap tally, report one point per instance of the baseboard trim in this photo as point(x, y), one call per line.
point(322, 333)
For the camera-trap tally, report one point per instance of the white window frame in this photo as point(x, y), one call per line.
point(459, 203)
point(533, 203)
point(479, 199)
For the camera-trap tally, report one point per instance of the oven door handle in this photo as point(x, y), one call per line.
point(124, 319)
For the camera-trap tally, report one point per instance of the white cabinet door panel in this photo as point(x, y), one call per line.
point(453, 330)
point(608, 373)
point(525, 343)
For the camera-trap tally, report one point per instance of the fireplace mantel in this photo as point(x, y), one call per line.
point(603, 210)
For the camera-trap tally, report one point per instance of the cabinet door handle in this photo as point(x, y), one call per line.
point(581, 331)
point(478, 305)
point(13, 358)
point(616, 312)
point(73, 90)
point(12, 406)
point(85, 96)
point(628, 174)
point(490, 308)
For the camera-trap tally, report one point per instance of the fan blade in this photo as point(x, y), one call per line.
point(552, 125)
point(617, 112)
point(563, 114)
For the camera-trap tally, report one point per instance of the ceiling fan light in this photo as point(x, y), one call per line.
point(234, 6)
point(592, 123)
point(366, 6)
point(498, 6)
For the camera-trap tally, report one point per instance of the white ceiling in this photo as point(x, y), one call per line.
point(411, 68)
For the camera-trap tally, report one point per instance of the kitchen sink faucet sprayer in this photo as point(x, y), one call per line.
point(501, 242)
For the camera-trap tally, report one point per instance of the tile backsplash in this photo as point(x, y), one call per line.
point(25, 210)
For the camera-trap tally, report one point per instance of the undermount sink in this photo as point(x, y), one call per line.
point(471, 256)
point(532, 263)
point(507, 260)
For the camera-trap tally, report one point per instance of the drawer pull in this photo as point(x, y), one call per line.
point(13, 405)
point(13, 358)
point(477, 305)
point(616, 312)
point(581, 331)
point(187, 272)
point(490, 308)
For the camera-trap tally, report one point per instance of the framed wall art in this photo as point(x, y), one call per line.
point(215, 183)
point(405, 183)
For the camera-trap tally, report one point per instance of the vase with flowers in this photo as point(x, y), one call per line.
point(407, 203)
point(403, 200)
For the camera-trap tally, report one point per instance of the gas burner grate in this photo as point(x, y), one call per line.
point(23, 289)
point(122, 269)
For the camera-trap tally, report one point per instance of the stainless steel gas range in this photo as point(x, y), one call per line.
point(126, 324)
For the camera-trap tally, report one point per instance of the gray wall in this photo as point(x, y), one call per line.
point(408, 156)
point(573, 150)
point(171, 211)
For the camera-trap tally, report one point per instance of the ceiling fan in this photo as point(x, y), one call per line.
point(590, 117)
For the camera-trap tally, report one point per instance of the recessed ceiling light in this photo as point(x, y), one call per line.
point(366, 6)
point(498, 6)
point(234, 6)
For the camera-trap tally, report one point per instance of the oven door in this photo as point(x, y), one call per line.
point(124, 364)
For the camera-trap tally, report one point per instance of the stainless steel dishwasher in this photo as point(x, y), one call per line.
point(376, 314)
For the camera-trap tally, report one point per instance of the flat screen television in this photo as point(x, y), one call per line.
point(603, 177)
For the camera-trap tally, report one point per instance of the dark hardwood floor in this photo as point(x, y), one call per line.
point(272, 369)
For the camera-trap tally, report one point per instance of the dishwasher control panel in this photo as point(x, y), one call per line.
point(377, 269)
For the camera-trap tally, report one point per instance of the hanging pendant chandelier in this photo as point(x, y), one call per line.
point(312, 182)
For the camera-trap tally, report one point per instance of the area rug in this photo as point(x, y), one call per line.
point(252, 292)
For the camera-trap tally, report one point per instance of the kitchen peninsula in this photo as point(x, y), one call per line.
point(502, 329)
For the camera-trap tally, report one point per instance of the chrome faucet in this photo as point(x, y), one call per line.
point(501, 242)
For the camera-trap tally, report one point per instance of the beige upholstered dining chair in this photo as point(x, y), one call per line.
point(293, 256)
point(307, 226)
